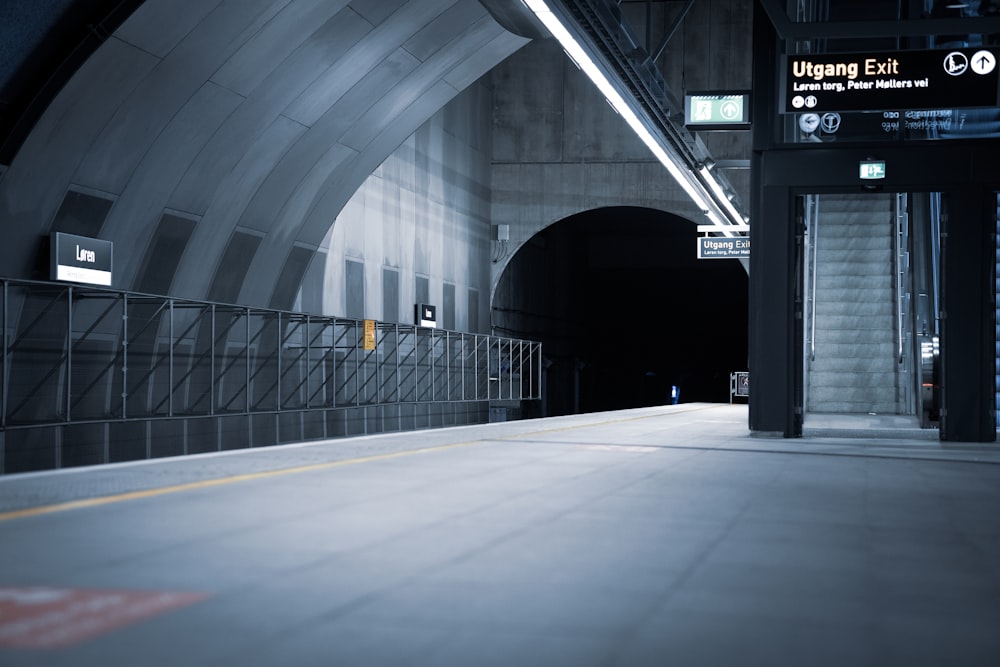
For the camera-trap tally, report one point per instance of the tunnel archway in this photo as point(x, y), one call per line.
point(625, 311)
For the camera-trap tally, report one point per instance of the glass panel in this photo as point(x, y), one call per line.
point(408, 364)
point(294, 355)
point(347, 337)
point(231, 357)
point(439, 357)
point(37, 354)
point(425, 364)
point(264, 329)
point(193, 350)
point(469, 367)
point(482, 368)
point(322, 361)
point(144, 364)
point(81, 354)
point(97, 328)
point(367, 369)
point(456, 373)
point(388, 354)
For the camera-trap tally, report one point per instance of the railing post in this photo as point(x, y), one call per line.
point(308, 366)
point(211, 364)
point(69, 353)
point(125, 357)
point(279, 342)
point(246, 390)
point(6, 360)
point(170, 358)
point(357, 367)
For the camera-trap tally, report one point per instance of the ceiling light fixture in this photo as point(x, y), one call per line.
point(677, 168)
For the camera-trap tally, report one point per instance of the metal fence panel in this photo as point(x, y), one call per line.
point(76, 355)
point(95, 349)
point(387, 344)
point(37, 354)
point(265, 328)
point(231, 352)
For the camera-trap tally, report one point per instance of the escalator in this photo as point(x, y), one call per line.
point(871, 324)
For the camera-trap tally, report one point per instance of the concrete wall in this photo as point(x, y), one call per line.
point(560, 149)
point(530, 144)
point(423, 214)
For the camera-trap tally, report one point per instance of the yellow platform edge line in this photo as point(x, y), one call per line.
point(217, 481)
point(233, 479)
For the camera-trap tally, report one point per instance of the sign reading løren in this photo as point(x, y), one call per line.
point(81, 259)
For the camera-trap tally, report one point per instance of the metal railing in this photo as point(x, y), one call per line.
point(76, 355)
point(812, 229)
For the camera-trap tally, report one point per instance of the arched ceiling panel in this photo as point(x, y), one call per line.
point(338, 188)
point(234, 192)
point(483, 47)
point(158, 27)
point(275, 44)
point(169, 86)
point(356, 64)
point(427, 41)
point(435, 68)
point(377, 11)
point(32, 189)
point(253, 120)
point(342, 184)
point(264, 115)
point(140, 206)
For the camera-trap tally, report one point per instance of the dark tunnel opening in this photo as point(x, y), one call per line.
point(627, 314)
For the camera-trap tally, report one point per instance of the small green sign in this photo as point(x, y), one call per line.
point(709, 111)
point(872, 170)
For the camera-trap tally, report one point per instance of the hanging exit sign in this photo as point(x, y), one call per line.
point(872, 170)
point(717, 110)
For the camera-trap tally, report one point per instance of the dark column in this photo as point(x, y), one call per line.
point(967, 328)
point(774, 348)
point(775, 345)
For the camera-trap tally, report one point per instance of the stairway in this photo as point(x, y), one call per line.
point(855, 370)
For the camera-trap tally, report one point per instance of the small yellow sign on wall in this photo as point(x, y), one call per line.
point(369, 343)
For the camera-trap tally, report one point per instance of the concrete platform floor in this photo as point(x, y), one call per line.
point(660, 536)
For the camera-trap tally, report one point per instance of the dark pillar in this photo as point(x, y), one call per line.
point(775, 344)
point(967, 329)
point(774, 347)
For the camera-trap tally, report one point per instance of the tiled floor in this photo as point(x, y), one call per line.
point(661, 536)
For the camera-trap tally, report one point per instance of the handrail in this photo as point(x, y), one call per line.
point(812, 218)
point(900, 213)
point(272, 357)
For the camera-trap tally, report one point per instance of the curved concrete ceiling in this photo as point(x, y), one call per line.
point(258, 116)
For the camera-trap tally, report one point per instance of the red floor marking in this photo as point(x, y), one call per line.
point(42, 617)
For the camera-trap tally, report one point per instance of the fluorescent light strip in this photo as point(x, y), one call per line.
point(720, 193)
point(583, 61)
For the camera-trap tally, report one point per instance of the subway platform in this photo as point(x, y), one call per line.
point(656, 536)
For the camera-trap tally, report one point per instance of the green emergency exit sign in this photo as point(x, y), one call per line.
point(872, 170)
point(717, 111)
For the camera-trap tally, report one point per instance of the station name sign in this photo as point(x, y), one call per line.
point(81, 259)
point(717, 247)
point(932, 79)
